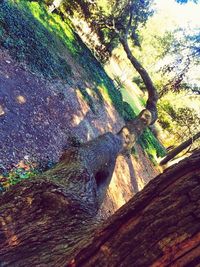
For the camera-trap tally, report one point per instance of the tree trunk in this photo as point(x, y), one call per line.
point(43, 219)
point(160, 226)
point(179, 149)
point(152, 92)
point(51, 220)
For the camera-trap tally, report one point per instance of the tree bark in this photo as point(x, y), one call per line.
point(42, 220)
point(152, 92)
point(51, 220)
point(179, 149)
point(160, 226)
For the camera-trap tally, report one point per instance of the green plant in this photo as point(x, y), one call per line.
point(129, 113)
point(151, 145)
point(29, 41)
point(17, 174)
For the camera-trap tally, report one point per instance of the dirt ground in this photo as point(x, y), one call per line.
point(39, 118)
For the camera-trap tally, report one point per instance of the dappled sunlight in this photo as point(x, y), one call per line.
point(2, 112)
point(83, 106)
point(130, 176)
point(13, 240)
point(77, 119)
point(104, 92)
point(52, 21)
point(21, 99)
point(90, 133)
point(105, 117)
point(115, 195)
point(40, 129)
point(121, 188)
point(144, 168)
point(29, 200)
point(111, 112)
point(9, 235)
point(73, 150)
point(83, 124)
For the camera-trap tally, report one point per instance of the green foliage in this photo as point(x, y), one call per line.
point(29, 41)
point(187, 117)
point(165, 122)
point(165, 110)
point(22, 171)
point(103, 15)
point(129, 113)
point(139, 82)
point(151, 145)
point(179, 116)
point(16, 175)
point(185, 58)
point(134, 152)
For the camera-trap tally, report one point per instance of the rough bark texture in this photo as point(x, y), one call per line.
point(43, 220)
point(179, 148)
point(45, 224)
point(160, 226)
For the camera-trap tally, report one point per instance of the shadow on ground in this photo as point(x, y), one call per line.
point(39, 118)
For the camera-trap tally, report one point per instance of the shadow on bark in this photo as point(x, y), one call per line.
point(134, 182)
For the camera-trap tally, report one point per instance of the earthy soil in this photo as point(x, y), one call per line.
point(39, 118)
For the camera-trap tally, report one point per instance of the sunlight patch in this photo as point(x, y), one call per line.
point(21, 99)
point(2, 112)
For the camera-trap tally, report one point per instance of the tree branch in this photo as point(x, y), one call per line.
point(179, 148)
point(152, 93)
point(130, 20)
